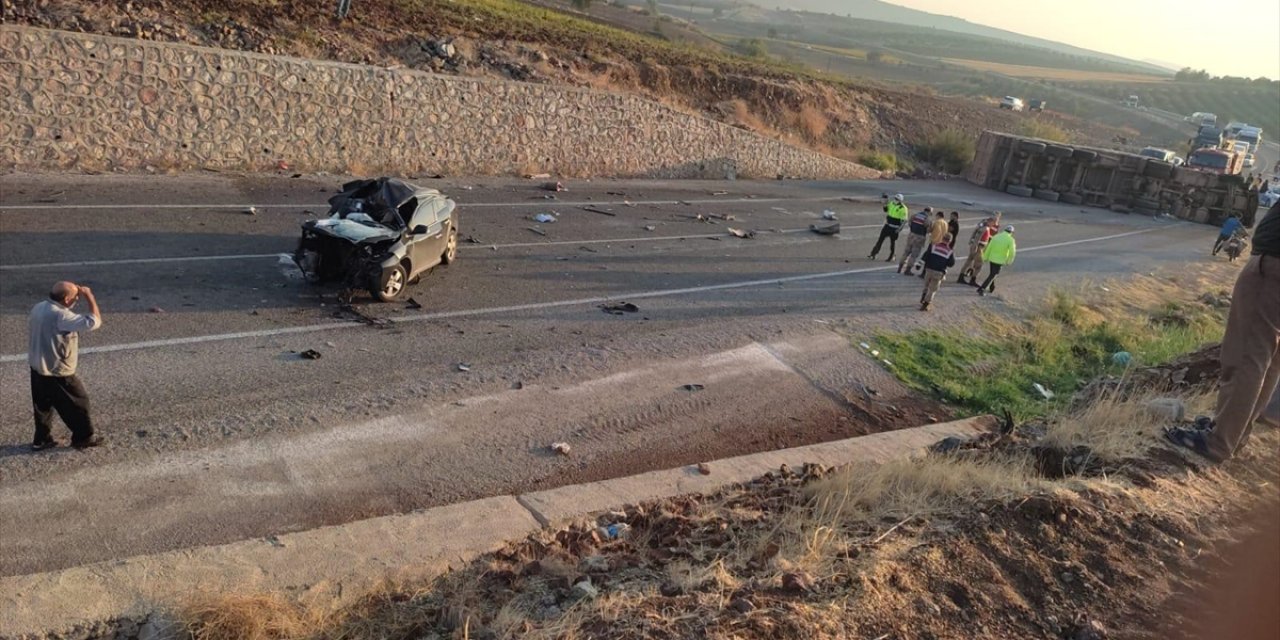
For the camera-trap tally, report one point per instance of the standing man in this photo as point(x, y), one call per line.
point(52, 354)
point(1228, 229)
point(917, 228)
point(999, 254)
point(937, 260)
point(895, 216)
point(953, 228)
point(1250, 356)
point(977, 244)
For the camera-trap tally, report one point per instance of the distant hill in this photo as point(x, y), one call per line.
point(885, 12)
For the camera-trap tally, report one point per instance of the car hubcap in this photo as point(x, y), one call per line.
point(395, 282)
point(453, 244)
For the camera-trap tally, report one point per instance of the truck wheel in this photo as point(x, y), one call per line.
point(1120, 208)
point(1158, 169)
point(1032, 147)
point(1059, 151)
point(1084, 155)
point(390, 284)
point(1146, 211)
point(1019, 190)
point(1071, 198)
point(1047, 195)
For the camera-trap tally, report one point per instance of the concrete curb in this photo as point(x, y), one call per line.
point(341, 563)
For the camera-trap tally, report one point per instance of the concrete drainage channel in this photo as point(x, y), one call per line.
point(128, 599)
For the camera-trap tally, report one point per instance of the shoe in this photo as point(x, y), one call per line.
point(890, 258)
point(41, 446)
point(871, 257)
point(1194, 440)
point(924, 306)
point(982, 292)
point(95, 441)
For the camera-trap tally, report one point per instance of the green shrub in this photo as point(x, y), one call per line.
point(949, 150)
point(751, 48)
point(1044, 131)
point(879, 161)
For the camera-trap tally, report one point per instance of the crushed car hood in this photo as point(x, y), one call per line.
point(351, 230)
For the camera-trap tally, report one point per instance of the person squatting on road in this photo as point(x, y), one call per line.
point(52, 353)
point(1229, 228)
point(895, 215)
point(937, 260)
point(917, 228)
point(1250, 356)
point(999, 254)
point(977, 244)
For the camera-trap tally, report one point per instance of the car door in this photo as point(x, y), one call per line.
point(425, 249)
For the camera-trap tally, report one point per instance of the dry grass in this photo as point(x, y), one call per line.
point(269, 616)
point(1048, 73)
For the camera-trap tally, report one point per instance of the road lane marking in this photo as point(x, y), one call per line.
point(539, 202)
point(534, 306)
point(468, 247)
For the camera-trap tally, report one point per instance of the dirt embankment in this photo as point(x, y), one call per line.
point(511, 40)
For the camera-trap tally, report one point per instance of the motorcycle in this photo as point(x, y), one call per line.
point(1236, 245)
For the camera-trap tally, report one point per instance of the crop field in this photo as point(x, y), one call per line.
point(1056, 73)
point(1252, 102)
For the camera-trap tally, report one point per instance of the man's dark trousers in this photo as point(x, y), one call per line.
point(889, 231)
point(68, 397)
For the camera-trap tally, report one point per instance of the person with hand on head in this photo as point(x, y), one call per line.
point(53, 353)
point(999, 254)
point(895, 212)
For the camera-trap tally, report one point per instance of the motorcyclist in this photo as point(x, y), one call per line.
point(1229, 228)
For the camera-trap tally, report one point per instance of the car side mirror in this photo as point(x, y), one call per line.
point(420, 230)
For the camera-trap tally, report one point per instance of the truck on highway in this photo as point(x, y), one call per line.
point(1208, 136)
point(1202, 118)
point(1251, 135)
point(1214, 160)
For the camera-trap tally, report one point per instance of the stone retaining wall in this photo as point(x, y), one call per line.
point(75, 101)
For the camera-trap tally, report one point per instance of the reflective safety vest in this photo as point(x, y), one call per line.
point(1001, 249)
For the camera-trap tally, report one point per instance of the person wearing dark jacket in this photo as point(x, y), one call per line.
point(1250, 356)
point(917, 228)
point(937, 260)
point(953, 227)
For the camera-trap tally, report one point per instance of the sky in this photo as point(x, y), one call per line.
point(1224, 37)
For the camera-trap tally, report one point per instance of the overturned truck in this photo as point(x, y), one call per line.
point(1115, 180)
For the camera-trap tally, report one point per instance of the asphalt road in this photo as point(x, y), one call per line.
point(219, 431)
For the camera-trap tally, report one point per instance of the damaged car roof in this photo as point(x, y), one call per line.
point(392, 192)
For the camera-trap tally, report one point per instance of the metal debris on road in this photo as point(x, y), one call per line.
point(533, 229)
point(619, 308)
point(595, 209)
point(561, 448)
point(473, 240)
point(967, 203)
point(310, 354)
point(719, 193)
point(692, 387)
point(739, 233)
point(825, 230)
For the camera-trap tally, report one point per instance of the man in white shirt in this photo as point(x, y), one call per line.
point(52, 353)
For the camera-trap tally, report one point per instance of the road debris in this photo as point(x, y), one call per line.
point(739, 233)
point(545, 218)
point(595, 209)
point(719, 193)
point(649, 227)
point(412, 303)
point(561, 448)
point(310, 354)
point(537, 176)
point(619, 308)
point(251, 211)
point(472, 240)
point(156, 310)
point(692, 387)
point(703, 469)
point(967, 203)
point(828, 215)
point(554, 186)
point(464, 367)
point(613, 531)
point(533, 229)
point(1044, 392)
point(826, 229)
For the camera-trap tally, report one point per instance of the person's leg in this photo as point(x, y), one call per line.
point(42, 407)
point(991, 277)
point(1217, 245)
point(911, 247)
point(893, 244)
point(1271, 415)
point(72, 403)
point(932, 280)
point(1249, 349)
point(884, 233)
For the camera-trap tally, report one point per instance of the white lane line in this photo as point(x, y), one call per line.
point(534, 306)
point(470, 247)
point(528, 203)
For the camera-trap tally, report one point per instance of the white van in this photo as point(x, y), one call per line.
point(1011, 103)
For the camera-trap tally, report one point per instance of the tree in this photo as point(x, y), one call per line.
point(773, 33)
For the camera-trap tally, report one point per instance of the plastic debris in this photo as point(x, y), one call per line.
point(864, 345)
point(1122, 358)
point(464, 367)
point(649, 227)
point(619, 308)
point(828, 215)
point(251, 211)
point(613, 531)
point(587, 589)
point(156, 310)
point(1044, 393)
point(545, 218)
point(561, 448)
point(739, 233)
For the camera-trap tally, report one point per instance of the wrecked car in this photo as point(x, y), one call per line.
point(381, 235)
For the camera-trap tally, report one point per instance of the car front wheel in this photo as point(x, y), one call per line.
point(390, 285)
point(451, 247)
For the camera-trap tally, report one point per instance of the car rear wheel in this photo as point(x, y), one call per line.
point(390, 285)
point(451, 247)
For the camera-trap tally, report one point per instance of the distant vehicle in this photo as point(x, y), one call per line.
point(1208, 136)
point(1252, 135)
point(1250, 160)
point(1159, 154)
point(1131, 102)
point(1037, 105)
point(1214, 160)
point(1239, 146)
point(1208, 119)
point(1233, 129)
point(1198, 117)
point(1267, 199)
point(1011, 103)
